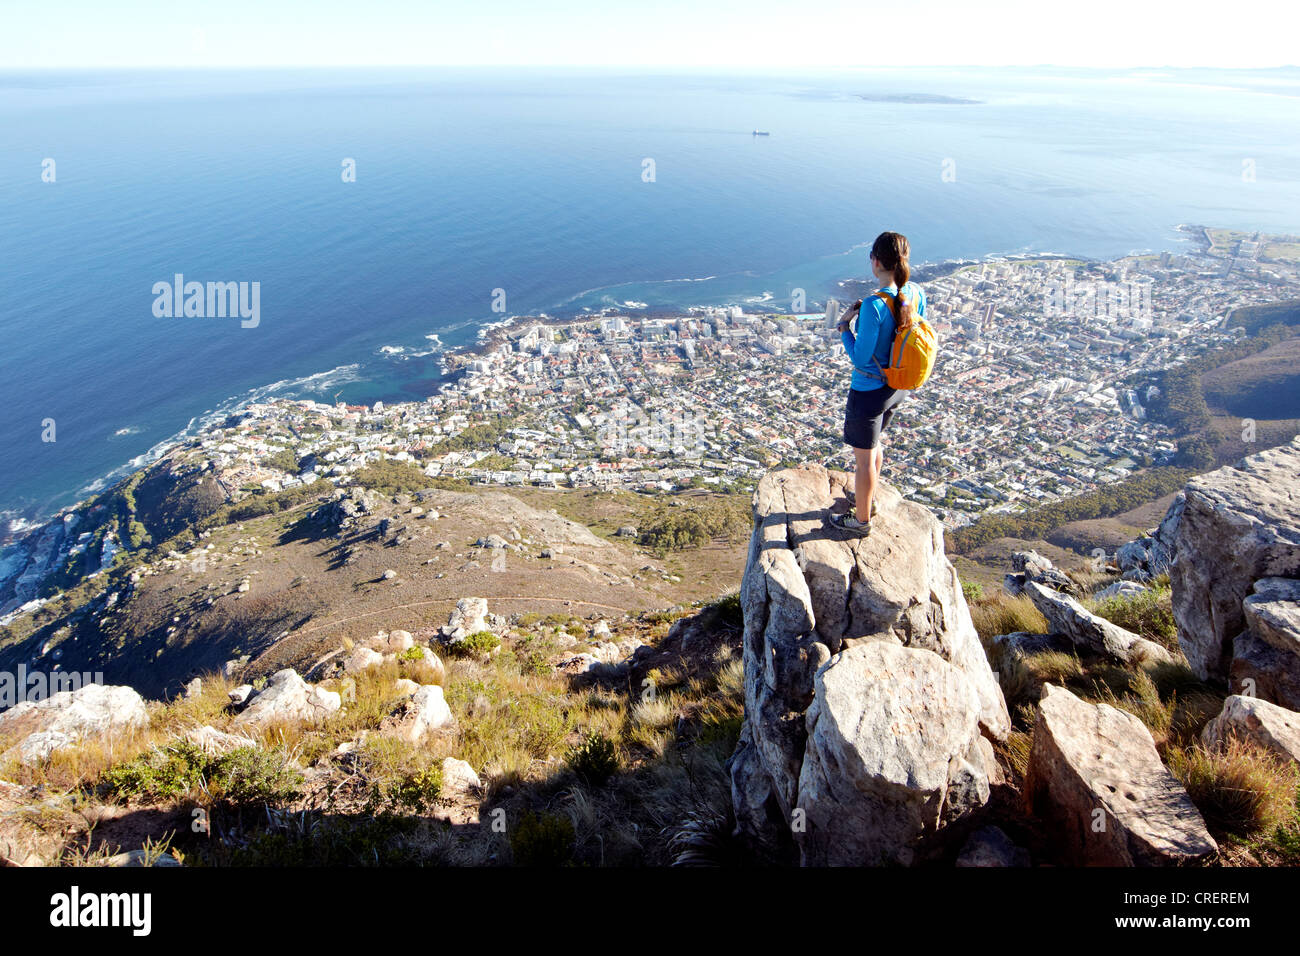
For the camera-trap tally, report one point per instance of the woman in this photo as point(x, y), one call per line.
point(871, 402)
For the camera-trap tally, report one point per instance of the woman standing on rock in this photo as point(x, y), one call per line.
point(872, 402)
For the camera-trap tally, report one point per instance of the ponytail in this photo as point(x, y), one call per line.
point(891, 251)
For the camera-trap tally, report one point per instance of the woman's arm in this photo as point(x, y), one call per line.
point(846, 334)
point(864, 351)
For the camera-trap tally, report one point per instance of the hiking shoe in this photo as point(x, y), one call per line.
point(849, 524)
point(853, 503)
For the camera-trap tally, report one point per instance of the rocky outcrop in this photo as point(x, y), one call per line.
point(468, 617)
point(1068, 617)
point(1266, 655)
point(346, 512)
point(1239, 524)
point(287, 697)
point(844, 643)
point(1256, 721)
point(1273, 613)
point(894, 749)
point(1096, 778)
point(1032, 566)
point(69, 716)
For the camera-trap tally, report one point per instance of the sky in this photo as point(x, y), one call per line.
point(754, 34)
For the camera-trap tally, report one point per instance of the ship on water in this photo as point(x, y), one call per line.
point(761, 132)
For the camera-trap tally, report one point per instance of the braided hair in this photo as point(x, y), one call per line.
point(891, 250)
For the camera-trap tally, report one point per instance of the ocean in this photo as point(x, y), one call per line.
point(482, 194)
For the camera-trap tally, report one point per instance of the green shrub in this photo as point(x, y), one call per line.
point(1148, 614)
point(595, 760)
point(415, 653)
point(263, 502)
point(544, 839)
point(159, 774)
point(415, 792)
point(391, 477)
point(727, 610)
point(251, 775)
point(972, 591)
point(326, 840)
point(478, 643)
point(244, 775)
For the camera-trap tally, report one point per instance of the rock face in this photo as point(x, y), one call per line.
point(1266, 656)
point(1067, 616)
point(1095, 776)
point(287, 697)
point(893, 748)
point(1273, 613)
point(1257, 721)
point(68, 716)
point(876, 632)
point(1238, 524)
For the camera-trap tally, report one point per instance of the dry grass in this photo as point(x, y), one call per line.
point(515, 725)
point(1003, 614)
point(1015, 751)
point(1242, 790)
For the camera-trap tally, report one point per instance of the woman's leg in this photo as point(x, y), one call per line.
point(865, 472)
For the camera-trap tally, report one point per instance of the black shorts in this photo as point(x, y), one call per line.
point(868, 414)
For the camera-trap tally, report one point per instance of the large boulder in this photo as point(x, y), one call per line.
point(287, 697)
point(1067, 616)
point(468, 617)
point(814, 605)
point(1238, 524)
point(894, 749)
point(1266, 655)
point(1032, 566)
point(426, 712)
point(64, 718)
point(1095, 777)
point(1273, 613)
point(1256, 721)
point(1124, 590)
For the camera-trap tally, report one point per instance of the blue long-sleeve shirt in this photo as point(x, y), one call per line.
point(876, 336)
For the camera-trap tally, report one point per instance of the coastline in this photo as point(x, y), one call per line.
point(490, 336)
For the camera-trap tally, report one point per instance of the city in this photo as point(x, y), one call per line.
point(1036, 394)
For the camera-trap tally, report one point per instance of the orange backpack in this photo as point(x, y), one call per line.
point(911, 357)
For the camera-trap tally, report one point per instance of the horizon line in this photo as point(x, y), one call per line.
point(712, 68)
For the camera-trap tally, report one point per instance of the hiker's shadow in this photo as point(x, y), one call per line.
point(803, 527)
